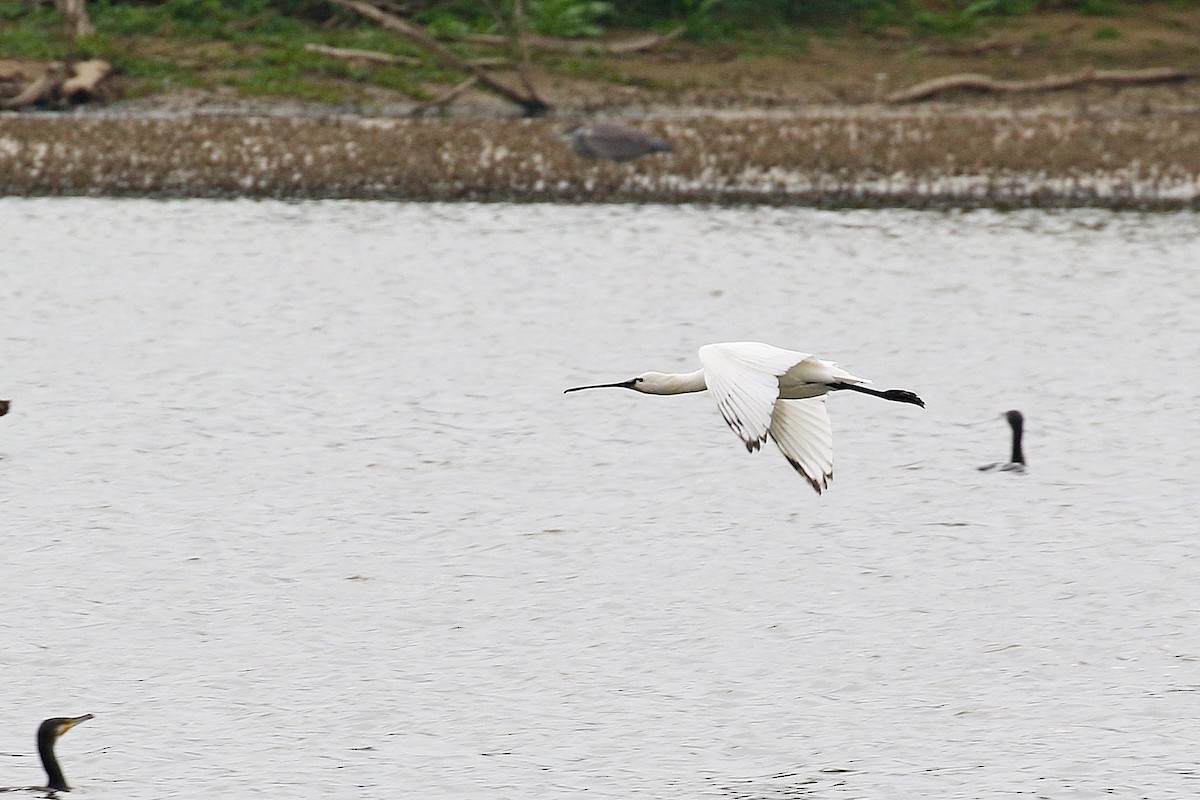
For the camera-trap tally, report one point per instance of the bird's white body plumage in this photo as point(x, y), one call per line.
point(764, 391)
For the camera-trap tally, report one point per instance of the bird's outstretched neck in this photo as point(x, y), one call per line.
point(48, 734)
point(895, 395)
point(656, 383)
point(1017, 421)
point(55, 780)
point(671, 383)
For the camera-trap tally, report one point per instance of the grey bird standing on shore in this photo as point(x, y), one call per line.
point(608, 140)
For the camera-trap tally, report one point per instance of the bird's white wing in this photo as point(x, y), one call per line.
point(744, 379)
point(801, 430)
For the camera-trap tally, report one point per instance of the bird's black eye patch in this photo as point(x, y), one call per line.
point(638, 380)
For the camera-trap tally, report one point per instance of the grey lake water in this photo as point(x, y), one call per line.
point(293, 502)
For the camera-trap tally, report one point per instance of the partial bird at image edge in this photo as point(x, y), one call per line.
point(48, 734)
point(766, 391)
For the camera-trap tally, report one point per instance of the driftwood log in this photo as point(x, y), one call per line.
point(376, 57)
point(634, 45)
point(37, 89)
point(86, 76)
point(71, 83)
point(349, 54)
point(530, 104)
point(1050, 83)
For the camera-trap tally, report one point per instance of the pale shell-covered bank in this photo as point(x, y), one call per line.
point(947, 158)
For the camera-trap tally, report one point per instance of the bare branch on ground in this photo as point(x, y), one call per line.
point(446, 98)
point(634, 45)
point(1050, 83)
point(351, 54)
point(61, 82)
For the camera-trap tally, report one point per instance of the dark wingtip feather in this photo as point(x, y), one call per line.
point(818, 486)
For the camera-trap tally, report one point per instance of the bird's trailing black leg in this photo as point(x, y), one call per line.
point(895, 395)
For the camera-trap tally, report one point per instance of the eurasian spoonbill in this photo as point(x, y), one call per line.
point(1016, 462)
point(764, 391)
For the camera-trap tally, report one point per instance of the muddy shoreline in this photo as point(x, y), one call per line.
point(927, 157)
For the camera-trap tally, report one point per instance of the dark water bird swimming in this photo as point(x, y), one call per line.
point(1016, 461)
point(608, 140)
point(47, 736)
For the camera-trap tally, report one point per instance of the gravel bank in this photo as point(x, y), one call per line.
point(923, 159)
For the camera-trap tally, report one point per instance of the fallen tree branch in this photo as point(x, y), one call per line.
point(634, 45)
point(351, 54)
point(86, 77)
point(1050, 83)
point(39, 89)
point(376, 57)
point(531, 105)
point(446, 98)
point(72, 83)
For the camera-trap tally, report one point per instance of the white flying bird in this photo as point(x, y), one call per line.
point(765, 391)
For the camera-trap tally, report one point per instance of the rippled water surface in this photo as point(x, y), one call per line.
point(293, 502)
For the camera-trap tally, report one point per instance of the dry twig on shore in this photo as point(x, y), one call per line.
point(376, 57)
point(445, 98)
point(634, 45)
point(351, 54)
point(1050, 83)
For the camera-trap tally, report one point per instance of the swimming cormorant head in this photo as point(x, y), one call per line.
point(48, 734)
point(1016, 461)
point(1017, 421)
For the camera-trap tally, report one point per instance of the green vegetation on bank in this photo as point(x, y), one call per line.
point(257, 47)
point(233, 19)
